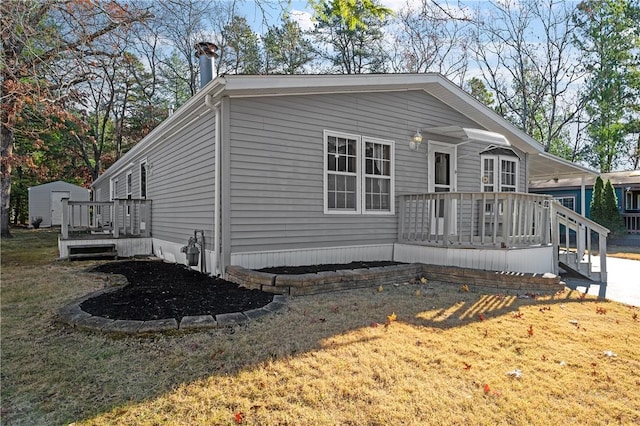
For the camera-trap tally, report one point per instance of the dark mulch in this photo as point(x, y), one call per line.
point(159, 290)
point(312, 269)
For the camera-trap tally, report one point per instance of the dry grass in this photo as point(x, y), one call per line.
point(329, 359)
point(624, 252)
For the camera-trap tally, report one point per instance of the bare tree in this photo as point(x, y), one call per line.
point(432, 38)
point(32, 48)
point(524, 51)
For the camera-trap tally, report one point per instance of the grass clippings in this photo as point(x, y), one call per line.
point(409, 354)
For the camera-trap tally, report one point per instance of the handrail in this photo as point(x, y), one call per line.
point(495, 219)
point(127, 217)
point(631, 222)
point(583, 228)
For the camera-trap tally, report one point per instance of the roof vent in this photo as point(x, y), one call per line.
point(206, 53)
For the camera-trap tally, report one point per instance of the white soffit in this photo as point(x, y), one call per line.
point(464, 134)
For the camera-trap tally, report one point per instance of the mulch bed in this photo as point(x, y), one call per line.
point(160, 290)
point(312, 269)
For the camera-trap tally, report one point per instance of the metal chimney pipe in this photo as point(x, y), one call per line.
point(206, 53)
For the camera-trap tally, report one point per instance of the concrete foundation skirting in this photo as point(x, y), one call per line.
point(295, 285)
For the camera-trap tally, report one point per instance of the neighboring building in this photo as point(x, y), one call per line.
point(45, 201)
point(568, 192)
point(308, 169)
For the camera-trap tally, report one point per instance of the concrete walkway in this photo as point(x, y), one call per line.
point(623, 283)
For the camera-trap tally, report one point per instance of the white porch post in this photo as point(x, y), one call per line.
point(582, 232)
point(65, 218)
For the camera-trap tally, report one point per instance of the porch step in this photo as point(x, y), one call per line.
point(93, 251)
point(568, 262)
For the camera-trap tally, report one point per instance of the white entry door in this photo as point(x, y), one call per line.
point(56, 206)
point(442, 178)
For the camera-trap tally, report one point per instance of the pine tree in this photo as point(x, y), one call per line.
point(610, 212)
point(597, 201)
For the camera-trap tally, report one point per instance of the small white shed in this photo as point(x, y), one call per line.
point(45, 201)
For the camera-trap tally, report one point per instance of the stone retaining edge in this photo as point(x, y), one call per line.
point(73, 315)
point(321, 282)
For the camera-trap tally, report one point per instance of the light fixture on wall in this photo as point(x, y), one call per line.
point(415, 141)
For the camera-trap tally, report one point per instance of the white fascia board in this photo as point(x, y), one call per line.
point(576, 167)
point(273, 85)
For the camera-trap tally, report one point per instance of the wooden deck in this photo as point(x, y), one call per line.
point(123, 224)
point(500, 221)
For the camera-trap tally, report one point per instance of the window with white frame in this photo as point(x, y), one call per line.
point(113, 193)
point(143, 179)
point(358, 174)
point(499, 170)
point(129, 191)
point(567, 201)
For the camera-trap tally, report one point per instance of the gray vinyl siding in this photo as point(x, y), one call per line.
point(181, 182)
point(277, 160)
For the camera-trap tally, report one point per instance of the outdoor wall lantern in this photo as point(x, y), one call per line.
point(415, 141)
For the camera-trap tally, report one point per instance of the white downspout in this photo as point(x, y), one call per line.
point(216, 215)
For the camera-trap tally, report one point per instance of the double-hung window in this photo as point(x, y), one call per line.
point(358, 174)
point(499, 172)
point(567, 201)
point(129, 191)
point(143, 179)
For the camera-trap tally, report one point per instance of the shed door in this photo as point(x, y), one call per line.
point(56, 206)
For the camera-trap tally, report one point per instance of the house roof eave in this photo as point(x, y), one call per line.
point(173, 122)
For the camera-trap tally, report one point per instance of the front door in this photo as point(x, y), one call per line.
point(442, 178)
point(56, 206)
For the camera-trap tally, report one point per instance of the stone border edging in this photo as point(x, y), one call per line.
point(73, 315)
point(282, 285)
point(302, 284)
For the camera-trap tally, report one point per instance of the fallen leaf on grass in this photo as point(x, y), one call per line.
point(481, 317)
point(239, 417)
point(464, 288)
point(466, 366)
point(634, 316)
point(390, 319)
point(518, 315)
point(601, 311)
point(486, 388)
point(530, 331)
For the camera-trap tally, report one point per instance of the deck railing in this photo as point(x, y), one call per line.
point(118, 218)
point(497, 219)
point(578, 240)
point(504, 220)
point(631, 222)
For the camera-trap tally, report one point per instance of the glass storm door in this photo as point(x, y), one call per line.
point(442, 178)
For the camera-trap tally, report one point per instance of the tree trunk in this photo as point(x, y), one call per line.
point(5, 175)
